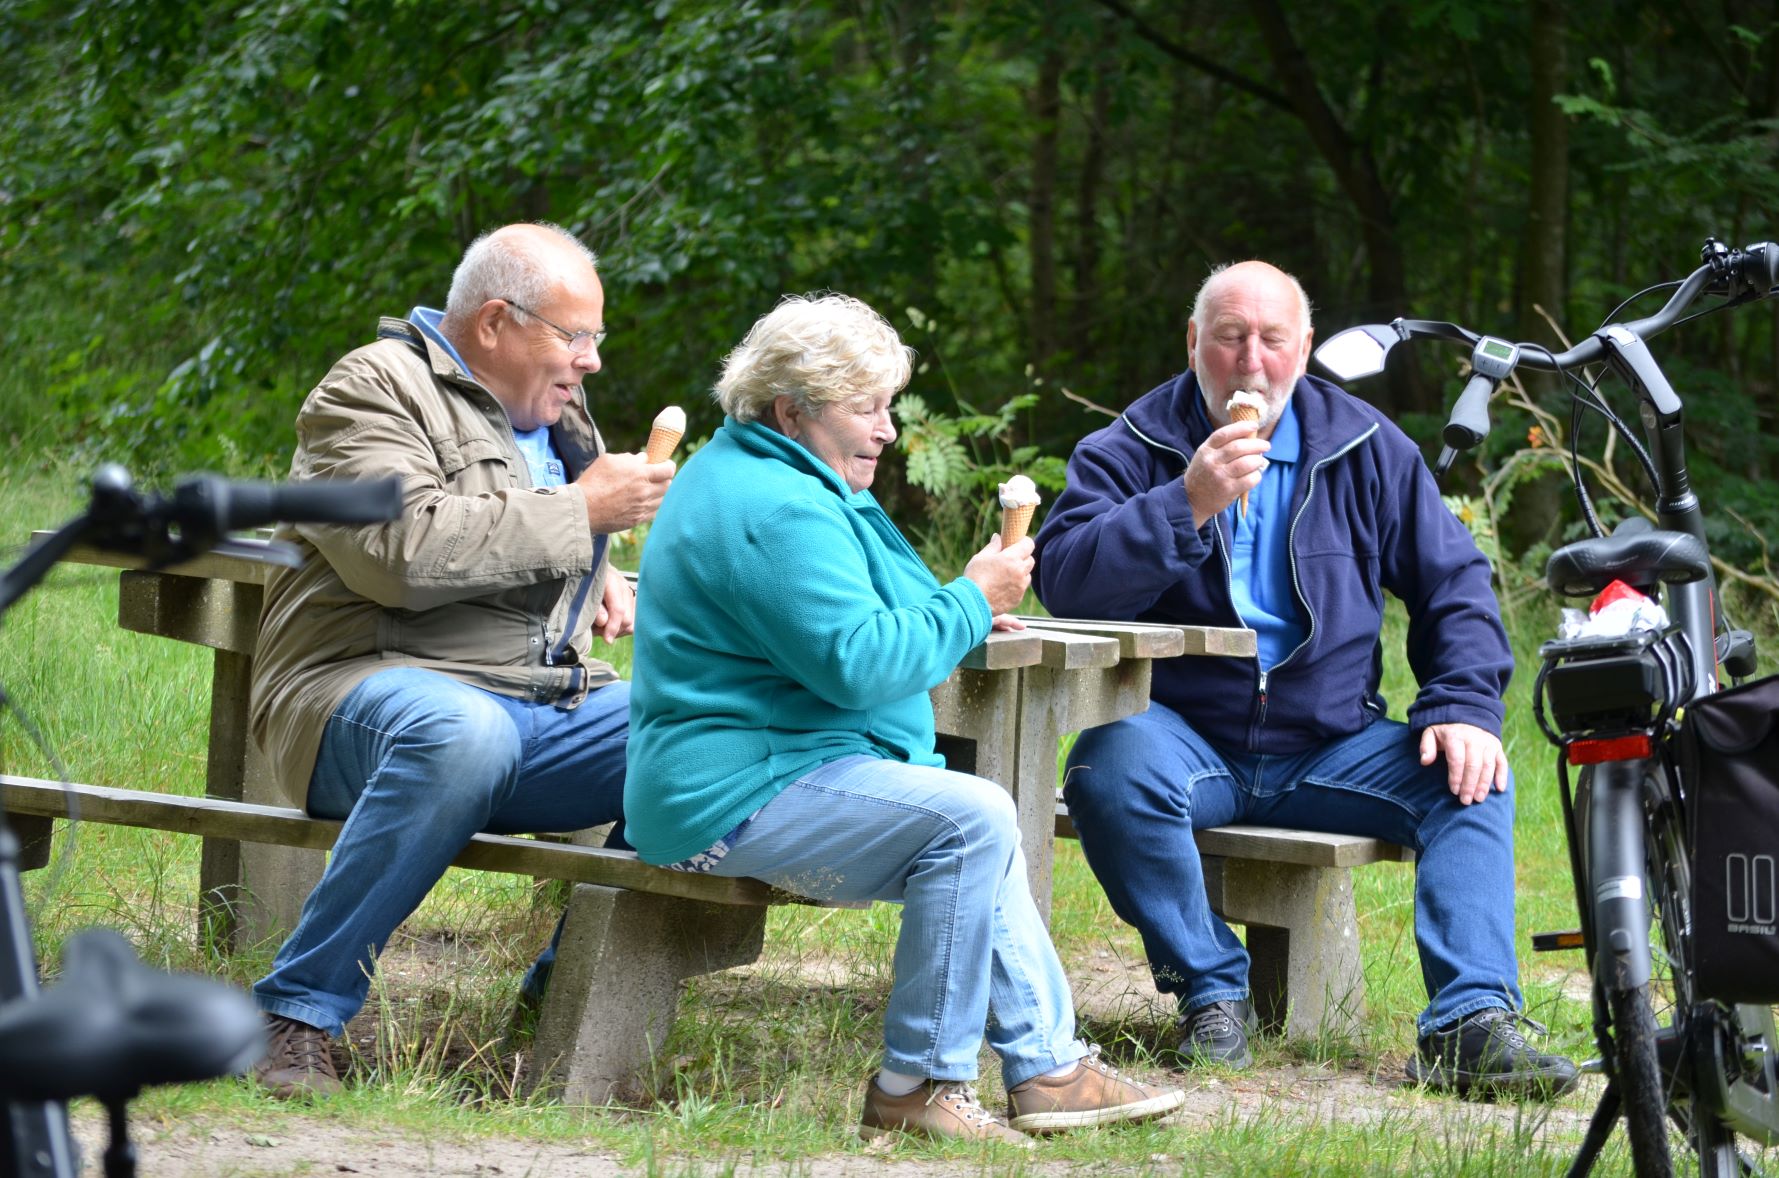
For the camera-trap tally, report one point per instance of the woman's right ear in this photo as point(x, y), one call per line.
point(787, 416)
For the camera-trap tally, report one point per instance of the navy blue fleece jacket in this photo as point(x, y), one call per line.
point(1365, 517)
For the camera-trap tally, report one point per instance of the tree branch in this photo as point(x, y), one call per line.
point(1180, 53)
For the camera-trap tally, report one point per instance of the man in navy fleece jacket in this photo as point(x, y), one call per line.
point(1339, 507)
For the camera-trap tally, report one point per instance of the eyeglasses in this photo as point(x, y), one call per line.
point(577, 341)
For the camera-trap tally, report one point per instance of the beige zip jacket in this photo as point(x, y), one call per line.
point(479, 579)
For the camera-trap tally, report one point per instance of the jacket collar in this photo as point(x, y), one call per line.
point(443, 363)
point(769, 443)
point(1173, 417)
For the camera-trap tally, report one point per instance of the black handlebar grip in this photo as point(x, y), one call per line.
point(217, 506)
point(1765, 259)
point(1469, 423)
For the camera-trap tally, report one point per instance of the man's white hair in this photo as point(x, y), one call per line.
point(1214, 281)
point(500, 265)
point(817, 349)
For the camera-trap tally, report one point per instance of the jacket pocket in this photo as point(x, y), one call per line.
point(457, 455)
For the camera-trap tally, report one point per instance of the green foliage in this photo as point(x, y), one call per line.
point(959, 462)
point(226, 195)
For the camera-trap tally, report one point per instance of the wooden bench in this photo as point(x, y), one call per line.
point(1293, 890)
point(633, 932)
point(615, 988)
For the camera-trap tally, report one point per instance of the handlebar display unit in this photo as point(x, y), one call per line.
point(1494, 357)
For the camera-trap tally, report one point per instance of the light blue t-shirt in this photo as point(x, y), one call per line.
point(540, 455)
point(545, 464)
point(1259, 556)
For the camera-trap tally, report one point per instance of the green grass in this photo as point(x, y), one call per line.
point(766, 1063)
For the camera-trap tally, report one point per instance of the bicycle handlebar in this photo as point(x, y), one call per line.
point(1740, 275)
point(196, 518)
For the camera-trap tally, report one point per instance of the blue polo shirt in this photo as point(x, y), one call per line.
point(535, 445)
point(1259, 549)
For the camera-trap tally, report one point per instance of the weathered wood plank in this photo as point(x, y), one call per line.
point(1226, 641)
point(1136, 640)
point(288, 827)
point(1004, 650)
point(1273, 844)
point(1065, 651)
point(219, 566)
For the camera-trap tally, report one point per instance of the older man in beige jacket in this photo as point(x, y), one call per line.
point(432, 677)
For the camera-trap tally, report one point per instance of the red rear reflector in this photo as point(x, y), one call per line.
point(1617, 748)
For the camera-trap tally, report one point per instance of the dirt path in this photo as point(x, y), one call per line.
point(1108, 989)
point(284, 1141)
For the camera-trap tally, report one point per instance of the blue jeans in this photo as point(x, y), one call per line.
point(416, 763)
point(1138, 788)
point(946, 846)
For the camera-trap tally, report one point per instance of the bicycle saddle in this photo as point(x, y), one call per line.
point(111, 1026)
point(1637, 557)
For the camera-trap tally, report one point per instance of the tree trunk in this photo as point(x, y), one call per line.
point(1543, 249)
point(1086, 303)
point(1355, 170)
point(1046, 104)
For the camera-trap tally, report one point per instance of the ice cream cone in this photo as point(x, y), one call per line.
point(1019, 499)
point(1242, 411)
point(664, 435)
point(661, 443)
point(1014, 523)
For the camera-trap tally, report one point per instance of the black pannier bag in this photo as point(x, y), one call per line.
point(1730, 743)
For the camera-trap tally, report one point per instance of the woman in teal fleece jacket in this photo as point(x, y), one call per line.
point(787, 636)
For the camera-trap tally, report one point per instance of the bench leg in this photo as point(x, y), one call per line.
point(248, 893)
point(615, 988)
point(1303, 943)
point(33, 832)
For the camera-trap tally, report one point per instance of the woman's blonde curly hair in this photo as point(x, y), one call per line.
point(817, 349)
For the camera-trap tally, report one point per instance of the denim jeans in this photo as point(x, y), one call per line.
point(946, 846)
point(416, 763)
point(1137, 789)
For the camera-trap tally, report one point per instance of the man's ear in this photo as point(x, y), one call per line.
point(487, 321)
point(1191, 341)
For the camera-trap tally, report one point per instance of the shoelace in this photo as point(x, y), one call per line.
point(1506, 1025)
point(307, 1049)
point(1092, 1059)
point(963, 1101)
point(1212, 1019)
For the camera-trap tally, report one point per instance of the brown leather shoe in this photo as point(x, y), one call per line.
point(938, 1108)
point(298, 1061)
point(1093, 1094)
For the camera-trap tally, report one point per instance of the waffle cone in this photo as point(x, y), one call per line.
point(1014, 523)
point(1243, 413)
point(661, 443)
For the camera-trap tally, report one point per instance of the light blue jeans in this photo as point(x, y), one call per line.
point(416, 763)
point(1138, 788)
point(973, 953)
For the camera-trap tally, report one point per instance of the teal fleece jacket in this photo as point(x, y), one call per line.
point(782, 622)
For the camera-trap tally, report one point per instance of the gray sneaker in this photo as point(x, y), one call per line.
point(1217, 1032)
point(1486, 1055)
point(298, 1060)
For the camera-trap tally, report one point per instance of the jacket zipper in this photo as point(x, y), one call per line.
point(1260, 692)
